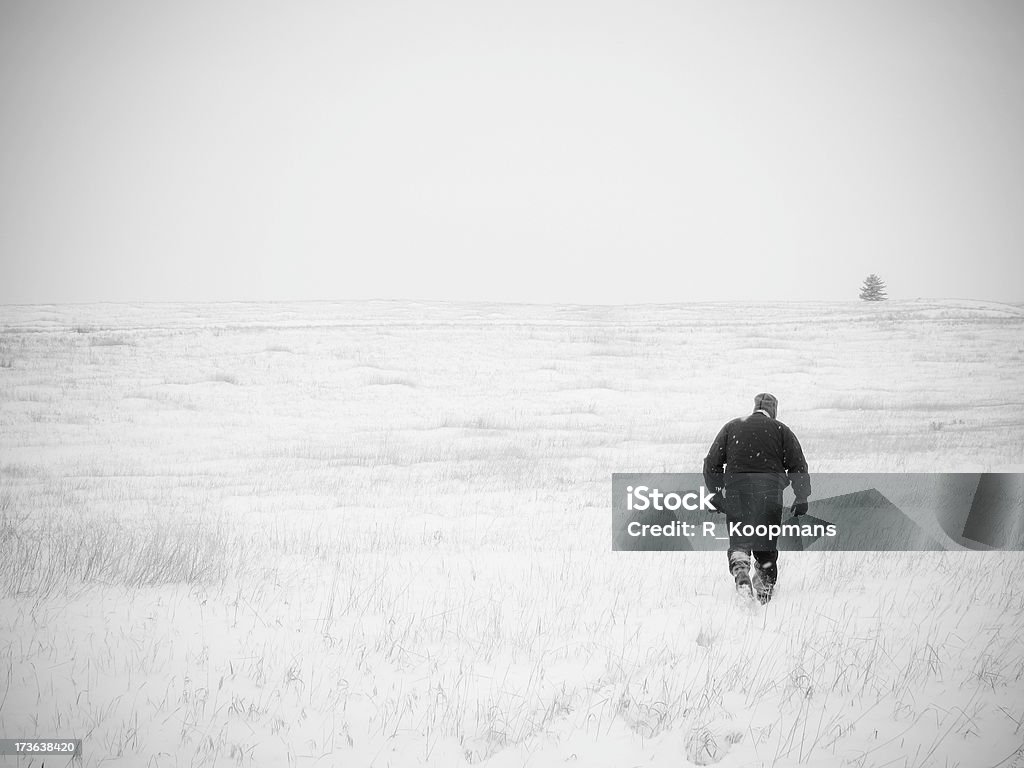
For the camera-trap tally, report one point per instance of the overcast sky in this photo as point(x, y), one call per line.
point(527, 150)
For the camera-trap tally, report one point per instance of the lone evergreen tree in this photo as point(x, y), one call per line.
point(873, 289)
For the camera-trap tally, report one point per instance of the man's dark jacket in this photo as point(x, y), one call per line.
point(756, 444)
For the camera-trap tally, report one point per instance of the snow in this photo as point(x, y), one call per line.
point(379, 534)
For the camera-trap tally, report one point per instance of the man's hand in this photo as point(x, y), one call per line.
point(799, 507)
point(717, 501)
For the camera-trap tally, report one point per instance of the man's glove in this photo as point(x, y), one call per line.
point(799, 507)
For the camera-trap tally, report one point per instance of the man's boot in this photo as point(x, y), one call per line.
point(739, 565)
point(763, 581)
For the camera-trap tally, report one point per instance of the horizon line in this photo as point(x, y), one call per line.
point(500, 302)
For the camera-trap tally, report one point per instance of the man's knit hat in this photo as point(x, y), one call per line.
point(767, 403)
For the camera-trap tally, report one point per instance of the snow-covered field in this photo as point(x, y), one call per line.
point(380, 534)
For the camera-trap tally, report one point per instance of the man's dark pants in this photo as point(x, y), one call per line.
point(753, 506)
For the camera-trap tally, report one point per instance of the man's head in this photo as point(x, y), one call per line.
point(767, 403)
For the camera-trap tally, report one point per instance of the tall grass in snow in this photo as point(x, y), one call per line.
point(244, 540)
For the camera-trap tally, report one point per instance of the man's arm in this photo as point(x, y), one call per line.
point(714, 462)
point(795, 464)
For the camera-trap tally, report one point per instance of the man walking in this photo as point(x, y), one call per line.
point(752, 460)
